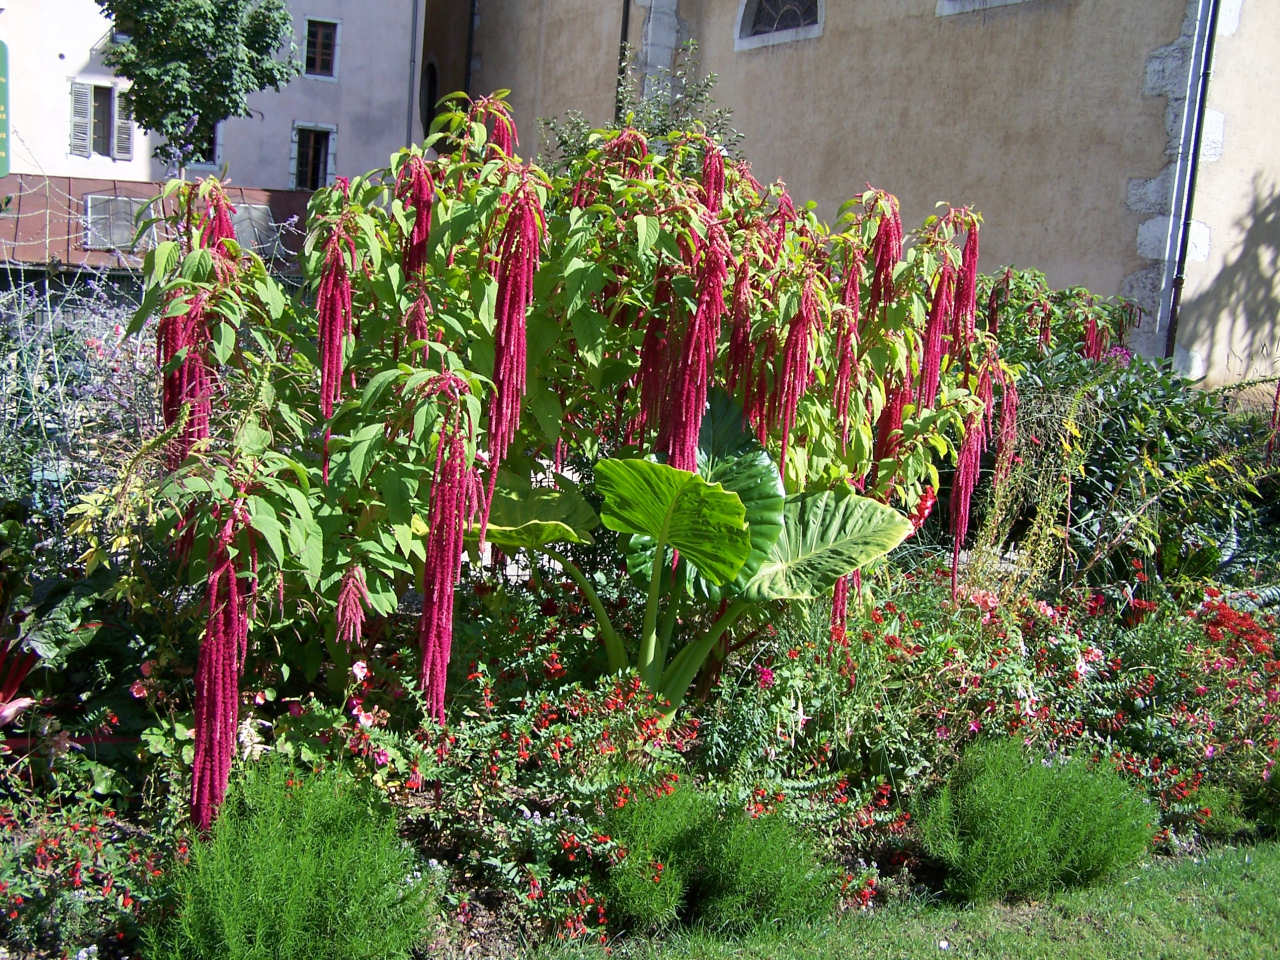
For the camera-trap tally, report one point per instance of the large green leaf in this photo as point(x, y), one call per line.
point(730, 455)
point(824, 537)
point(703, 521)
point(532, 517)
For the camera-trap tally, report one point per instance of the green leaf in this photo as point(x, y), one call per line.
point(263, 519)
point(824, 537)
point(703, 521)
point(647, 230)
point(729, 454)
point(534, 517)
point(306, 541)
point(361, 445)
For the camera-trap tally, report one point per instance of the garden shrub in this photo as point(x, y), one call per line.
point(1011, 826)
point(685, 860)
point(298, 866)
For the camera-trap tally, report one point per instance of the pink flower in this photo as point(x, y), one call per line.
point(147, 667)
point(381, 757)
point(1209, 751)
point(295, 709)
point(764, 676)
point(360, 670)
point(365, 719)
point(138, 689)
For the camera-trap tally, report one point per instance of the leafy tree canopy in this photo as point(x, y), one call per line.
point(193, 63)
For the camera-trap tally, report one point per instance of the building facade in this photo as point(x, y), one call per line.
point(1077, 127)
point(81, 168)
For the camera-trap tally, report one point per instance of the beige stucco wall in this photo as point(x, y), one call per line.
point(1230, 319)
point(1033, 113)
point(554, 56)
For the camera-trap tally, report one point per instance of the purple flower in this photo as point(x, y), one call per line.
point(381, 757)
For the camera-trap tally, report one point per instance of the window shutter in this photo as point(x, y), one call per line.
point(122, 141)
point(81, 118)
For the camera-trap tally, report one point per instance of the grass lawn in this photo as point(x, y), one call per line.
point(1223, 904)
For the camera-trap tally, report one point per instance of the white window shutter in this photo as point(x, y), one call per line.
point(81, 118)
point(331, 162)
point(122, 140)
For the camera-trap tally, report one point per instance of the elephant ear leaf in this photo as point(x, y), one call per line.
point(730, 455)
point(824, 537)
point(531, 517)
point(677, 509)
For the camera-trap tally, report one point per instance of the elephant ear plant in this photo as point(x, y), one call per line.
point(708, 547)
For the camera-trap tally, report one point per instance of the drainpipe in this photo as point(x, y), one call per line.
point(622, 61)
point(1184, 240)
point(471, 45)
point(413, 76)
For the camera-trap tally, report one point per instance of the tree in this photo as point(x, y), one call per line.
point(193, 63)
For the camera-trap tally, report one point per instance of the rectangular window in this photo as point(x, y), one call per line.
point(206, 152)
point(322, 48)
point(312, 170)
point(111, 222)
point(101, 120)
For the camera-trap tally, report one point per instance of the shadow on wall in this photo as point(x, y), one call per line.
point(1232, 328)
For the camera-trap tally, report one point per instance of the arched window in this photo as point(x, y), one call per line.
point(765, 22)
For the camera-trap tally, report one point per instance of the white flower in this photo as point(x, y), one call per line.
point(360, 670)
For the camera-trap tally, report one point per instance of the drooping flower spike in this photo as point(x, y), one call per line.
point(503, 136)
point(182, 345)
point(940, 322)
point(886, 250)
point(687, 393)
point(791, 385)
point(456, 497)
point(221, 660)
point(333, 312)
point(846, 322)
point(519, 253)
point(416, 188)
point(353, 597)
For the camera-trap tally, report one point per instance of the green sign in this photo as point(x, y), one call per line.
point(4, 110)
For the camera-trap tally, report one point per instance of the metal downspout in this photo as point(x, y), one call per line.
point(471, 45)
point(1184, 239)
point(414, 80)
point(622, 61)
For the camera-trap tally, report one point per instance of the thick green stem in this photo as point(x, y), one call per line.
point(686, 664)
point(613, 647)
point(649, 633)
point(676, 598)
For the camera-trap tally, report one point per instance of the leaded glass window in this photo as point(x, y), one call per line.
point(774, 15)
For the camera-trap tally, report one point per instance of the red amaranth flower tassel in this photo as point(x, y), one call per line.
point(416, 188)
point(966, 302)
point(503, 135)
point(886, 251)
point(654, 359)
point(840, 610)
point(889, 426)
point(217, 227)
point(924, 507)
point(333, 314)
point(455, 499)
point(217, 682)
point(712, 175)
point(687, 395)
point(190, 379)
point(1095, 339)
point(847, 322)
point(416, 327)
point(739, 358)
point(962, 486)
point(1007, 433)
point(791, 385)
point(353, 597)
point(939, 320)
point(518, 257)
